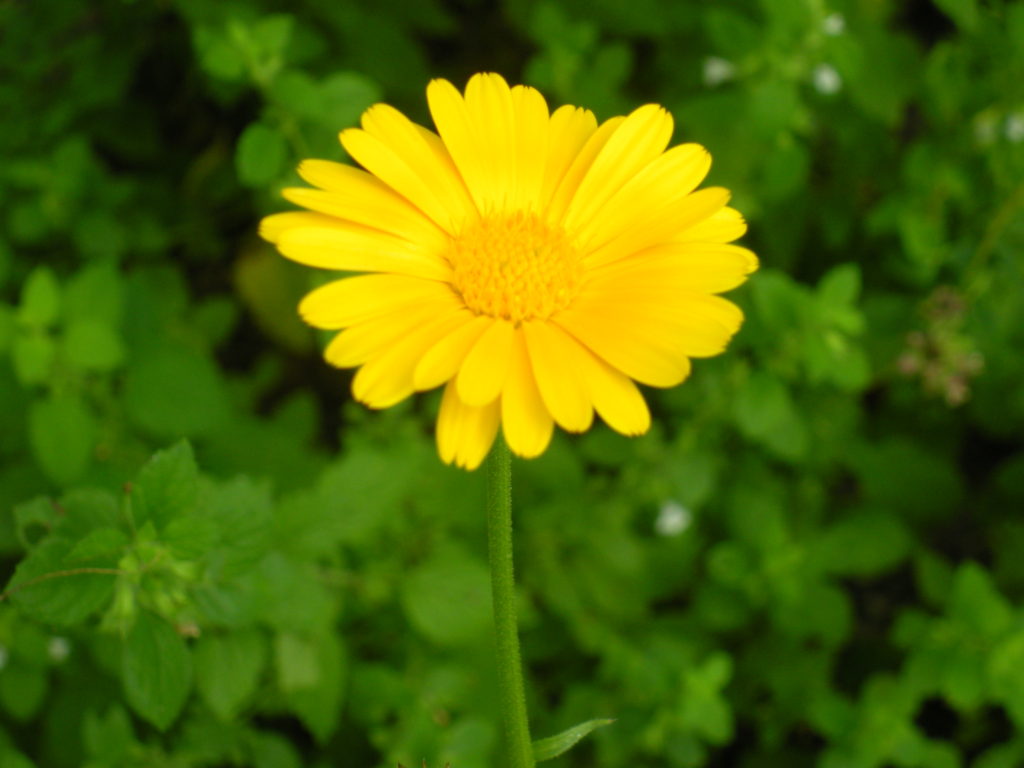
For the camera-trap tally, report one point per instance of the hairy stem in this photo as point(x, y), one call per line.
point(503, 590)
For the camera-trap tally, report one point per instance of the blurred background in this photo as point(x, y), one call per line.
point(815, 558)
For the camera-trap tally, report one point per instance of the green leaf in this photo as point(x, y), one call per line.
point(343, 97)
point(100, 543)
point(217, 54)
point(269, 750)
point(11, 758)
point(33, 354)
point(96, 294)
point(108, 738)
point(62, 433)
point(765, 412)
point(92, 345)
point(40, 299)
point(243, 513)
point(22, 689)
point(976, 604)
point(192, 537)
point(169, 484)
point(863, 545)
point(296, 661)
point(228, 669)
point(260, 155)
point(156, 669)
point(174, 392)
point(34, 519)
point(318, 706)
point(65, 599)
point(7, 326)
point(841, 286)
point(963, 12)
point(447, 599)
point(553, 746)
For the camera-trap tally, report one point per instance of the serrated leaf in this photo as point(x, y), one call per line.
point(191, 537)
point(169, 484)
point(65, 599)
point(553, 746)
point(228, 668)
point(156, 669)
point(103, 542)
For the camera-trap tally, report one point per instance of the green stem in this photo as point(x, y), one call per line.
point(503, 592)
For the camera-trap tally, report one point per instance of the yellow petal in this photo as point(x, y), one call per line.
point(660, 191)
point(425, 154)
point(554, 358)
point(442, 361)
point(569, 131)
point(615, 396)
point(465, 433)
point(723, 226)
point(400, 167)
point(691, 324)
point(484, 370)
point(641, 349)
point(275, 225)
point(525, 421)
point(637, 141)
point(358, 249)
point(387, 378)
point(699, 267)
point(342, 303)
point(657, 223)
point(497, 137)
point(354, 195)
point(567, 187)
point(532, 126)
point(360, 343)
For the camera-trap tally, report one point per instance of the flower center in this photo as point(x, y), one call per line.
point(515, 267)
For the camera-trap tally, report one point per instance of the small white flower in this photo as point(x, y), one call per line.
point(826, 79)
point(833, 24)
point(673, 519)
point(59, 649)
point(717, 70)
point(1014, 128)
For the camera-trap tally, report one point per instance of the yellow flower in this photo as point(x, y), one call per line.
point(535, 264)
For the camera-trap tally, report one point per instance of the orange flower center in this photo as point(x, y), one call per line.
point(515, 267)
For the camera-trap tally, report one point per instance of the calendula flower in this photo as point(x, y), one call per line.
point(534, 264)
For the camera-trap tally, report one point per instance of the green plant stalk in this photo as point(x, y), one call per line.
point(503, 593)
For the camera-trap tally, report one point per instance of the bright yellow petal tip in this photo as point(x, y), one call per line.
point(537, 264)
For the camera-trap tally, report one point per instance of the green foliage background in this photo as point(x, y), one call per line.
point(815, 558)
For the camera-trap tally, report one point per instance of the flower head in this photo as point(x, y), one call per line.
point(534, 264)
